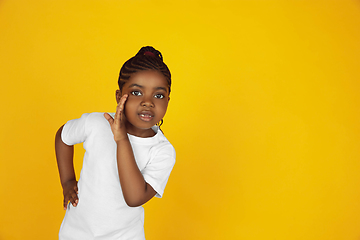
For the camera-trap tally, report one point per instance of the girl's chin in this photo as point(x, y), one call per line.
point(140, 127)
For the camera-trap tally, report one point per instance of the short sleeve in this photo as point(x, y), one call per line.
point(74, 131)
point(157, 171)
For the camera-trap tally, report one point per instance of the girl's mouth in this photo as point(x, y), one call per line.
point(146, 117)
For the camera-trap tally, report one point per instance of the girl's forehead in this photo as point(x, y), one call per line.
point(148, 78)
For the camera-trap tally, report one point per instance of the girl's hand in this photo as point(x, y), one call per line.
point(70, 191)
point(118, 123)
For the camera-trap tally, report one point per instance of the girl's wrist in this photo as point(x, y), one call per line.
point(64, 183)
point(121, 139)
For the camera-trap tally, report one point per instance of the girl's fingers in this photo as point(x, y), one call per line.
point(66, 202)
point(123, 99)
point(74, 201)
point(109, 118)
point(122, 102)
point(120, 107)
point(72, 198)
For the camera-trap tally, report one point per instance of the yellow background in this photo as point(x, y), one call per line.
point(264, 111)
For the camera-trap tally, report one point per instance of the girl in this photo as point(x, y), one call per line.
point(127, 161)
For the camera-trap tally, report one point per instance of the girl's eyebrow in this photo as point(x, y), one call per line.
point(135, 85)
point(140, 86)
point(161, 88)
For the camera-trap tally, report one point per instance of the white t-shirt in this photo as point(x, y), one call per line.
point(102, 212)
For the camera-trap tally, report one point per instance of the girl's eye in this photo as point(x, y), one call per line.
point(159, 96)
point(136, 93)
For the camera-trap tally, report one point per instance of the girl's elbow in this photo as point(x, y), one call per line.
point(132, 202)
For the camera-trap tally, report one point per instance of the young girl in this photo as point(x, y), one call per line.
point(127, 161)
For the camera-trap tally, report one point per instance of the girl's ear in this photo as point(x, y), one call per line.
point(118, 95)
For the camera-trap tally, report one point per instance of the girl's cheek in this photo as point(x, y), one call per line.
point(130, 103)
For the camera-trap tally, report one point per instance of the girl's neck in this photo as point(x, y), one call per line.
point(143, 133)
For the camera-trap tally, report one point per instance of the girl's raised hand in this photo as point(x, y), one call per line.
point(118, 123)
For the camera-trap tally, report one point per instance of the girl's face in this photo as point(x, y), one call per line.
point(146, 105)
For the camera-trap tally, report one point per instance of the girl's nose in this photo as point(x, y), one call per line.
point(147, 103)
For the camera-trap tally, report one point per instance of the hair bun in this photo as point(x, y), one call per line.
point(149, 51)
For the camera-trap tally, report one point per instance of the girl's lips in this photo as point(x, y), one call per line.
point(146, 116)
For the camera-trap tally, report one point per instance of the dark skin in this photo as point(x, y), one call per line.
point(64, 156)
point(146, 96)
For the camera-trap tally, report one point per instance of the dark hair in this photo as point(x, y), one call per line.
point(148, 58)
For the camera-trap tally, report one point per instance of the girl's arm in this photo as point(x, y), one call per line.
point(64, 157)
point(135, 190)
